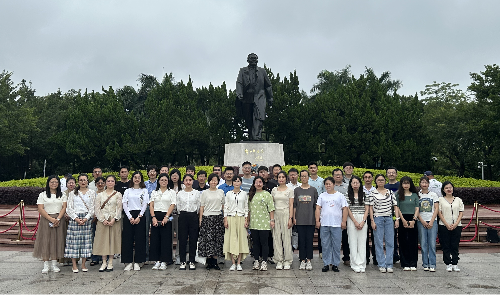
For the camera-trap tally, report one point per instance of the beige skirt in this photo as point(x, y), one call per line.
point(108, 239)
point(235, 238)
point(50, 241)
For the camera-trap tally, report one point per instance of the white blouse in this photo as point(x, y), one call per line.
point(188, 201)
point(236, 204)
point(112, 209)
point(163, 201)
point(135, 199)
point(51, 205)
point(213, 202)
point(81, 203)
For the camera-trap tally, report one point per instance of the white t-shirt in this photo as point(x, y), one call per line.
point(426, 201)
point(331, 208)
point(51, 205)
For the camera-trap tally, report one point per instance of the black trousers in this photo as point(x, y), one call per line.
point(395, 256)
point(345, 246)
point(134, 234)
point(189, 226)
point(161, 240)
point(260, 243)
point(408, 243)
point(306, 236)
point(270, 242)
point(449, 240)
point(368, 238)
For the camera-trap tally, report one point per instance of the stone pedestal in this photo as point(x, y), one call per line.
point(255, 152)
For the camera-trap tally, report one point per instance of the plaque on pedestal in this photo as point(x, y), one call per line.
point(255, 152)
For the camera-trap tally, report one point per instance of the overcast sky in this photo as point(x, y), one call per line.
point(89, 44)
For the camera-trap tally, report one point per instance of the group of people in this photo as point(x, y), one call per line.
point(227, 216)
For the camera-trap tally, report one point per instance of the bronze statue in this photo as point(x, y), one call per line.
point(253, 89)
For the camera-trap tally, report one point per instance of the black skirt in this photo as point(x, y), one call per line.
point(211, 238)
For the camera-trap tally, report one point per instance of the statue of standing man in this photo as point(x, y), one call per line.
point(253, 89)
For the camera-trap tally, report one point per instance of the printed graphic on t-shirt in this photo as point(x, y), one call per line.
point(305, 198)
point(425, 205)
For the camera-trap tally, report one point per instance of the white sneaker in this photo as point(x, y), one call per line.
point(286, 266)
point(309, 265)
point(279, 265)
point(362, 270)
point(449, 267)
point(302, 265)
point(233, 267)
point(382, 269)
point(55, 268)
point(183, 266)
point(45, 267)
point(406, 269)
point(413, 268)
point(455, 268)
point(192, 266)
point(238, 267)
point(163, 266)
point(390, 270)
point(129, 267)
point(432, 269)
point(136, 266)
point(156, 266)
point(263, 266)
point(103, 266)
point(426, 269)
point(256, 265)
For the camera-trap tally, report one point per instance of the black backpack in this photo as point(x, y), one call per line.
point(492, 235)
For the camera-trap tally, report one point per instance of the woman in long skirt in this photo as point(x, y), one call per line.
point(108, 237)
point(50, 237)
point(211, 238)
point(81, 212)
point(236, 223)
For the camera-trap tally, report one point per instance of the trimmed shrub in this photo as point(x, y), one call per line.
point(14, 195)
point(483, 195)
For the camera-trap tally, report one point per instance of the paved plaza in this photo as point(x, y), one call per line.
point(21, 273)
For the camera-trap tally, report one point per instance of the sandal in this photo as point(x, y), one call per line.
point(92, 263)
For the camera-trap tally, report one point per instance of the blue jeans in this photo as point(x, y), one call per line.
point(331, 238)
point(384, 233)
point(428, 244)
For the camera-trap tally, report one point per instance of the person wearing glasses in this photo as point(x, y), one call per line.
point(247, 179)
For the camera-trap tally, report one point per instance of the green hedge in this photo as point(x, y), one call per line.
point(323, 171)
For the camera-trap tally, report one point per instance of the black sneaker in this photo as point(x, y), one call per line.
point(216, 267)
point(335, 268)
point(325, 268)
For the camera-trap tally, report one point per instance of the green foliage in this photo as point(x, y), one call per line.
point(323, 171)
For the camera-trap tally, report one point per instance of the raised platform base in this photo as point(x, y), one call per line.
point(255, 152)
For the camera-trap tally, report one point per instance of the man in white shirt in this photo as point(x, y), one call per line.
point(434, 184)
point(247, 179)
point(96, 172)
point(341, 186)
point(368, 188)
point(293, 176)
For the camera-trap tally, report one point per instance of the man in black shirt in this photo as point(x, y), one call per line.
point(124, 183)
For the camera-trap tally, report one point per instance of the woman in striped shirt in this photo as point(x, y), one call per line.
point(356, 224)
point(381, 202)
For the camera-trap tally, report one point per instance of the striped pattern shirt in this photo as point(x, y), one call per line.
point(382, 203)
point(357, 208)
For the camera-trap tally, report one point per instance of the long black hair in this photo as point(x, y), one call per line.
point(361, 192)
point(401, 190)
point(179, 182)
point(445, 184)
point(377, 176)
point(141, 184)
point(77, 187)
point(158, 181)
point(58, 189)
point(253, 190)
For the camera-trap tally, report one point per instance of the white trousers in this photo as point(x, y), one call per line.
point(357, 242)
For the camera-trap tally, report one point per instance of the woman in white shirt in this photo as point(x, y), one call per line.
point(282, 231)
point(135, 201)
point(356, 224)
point(161, 206)
point(211, 238)
point(427, 225)
point(50, 237)
point(451, 210)
point(188, 204)
point(236, 224)
point(108, 236)
point(81, 212)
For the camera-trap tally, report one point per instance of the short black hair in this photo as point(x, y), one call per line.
point(368, 172)
point(218, 166)
point(201, 172)
point(277, 165)
point(293, 170)
point(262, 168)
point(229, 168)
point(124, 167)
point(152, 167)
point(312, 163)
point(391, 167)
point(337, 169)
point(348, 164)
point(96, 167)
point(246, 163)
point(190, 167)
